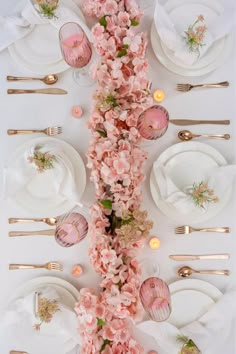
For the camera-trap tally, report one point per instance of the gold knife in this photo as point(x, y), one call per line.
point(17, 352)
point(188, 257)
point(194, 122)
point(50, 91)
point(49, 232)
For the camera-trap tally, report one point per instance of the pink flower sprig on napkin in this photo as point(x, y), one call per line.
point(195, 34)
point(202, 194)
point(46, 310)
point(47, 8)
point(42, 160)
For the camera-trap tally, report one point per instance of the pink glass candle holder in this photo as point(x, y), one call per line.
point(153, 122)
point(71, 229)
point(77, 51)
point(155, 298)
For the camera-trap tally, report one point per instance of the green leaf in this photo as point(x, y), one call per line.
point(103, 133)
point(126, 46)
point(105, 342)
point(100, 322)
point(122, 53)
point(106, 203)
point(103, 21)
point(134, 22)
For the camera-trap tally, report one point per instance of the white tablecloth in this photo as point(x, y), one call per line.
point(40, 111)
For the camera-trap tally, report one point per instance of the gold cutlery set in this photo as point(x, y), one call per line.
point(48, 80)
point(186, 271)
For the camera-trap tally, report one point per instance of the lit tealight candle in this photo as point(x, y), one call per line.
point(159, 95)
point(76, 111)
point(77, 270)
point(154, 243)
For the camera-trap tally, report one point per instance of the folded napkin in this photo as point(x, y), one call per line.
point(220, 181)
point(22, 176)
point(173, 37)
point(62, 326)
point(13, 28)
point(213, 333)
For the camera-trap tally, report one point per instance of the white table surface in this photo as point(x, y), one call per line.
point(39, 111)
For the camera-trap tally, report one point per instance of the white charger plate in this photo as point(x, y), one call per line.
point(40, 203)
point(191, 299)
point(182, 13)
point(66, 291)
point(172, 66)
point(48, 59)
point(176, 158)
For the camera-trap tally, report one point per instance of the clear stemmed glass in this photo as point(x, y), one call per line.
point(77, 51)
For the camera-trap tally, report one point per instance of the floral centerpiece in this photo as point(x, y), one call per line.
point(118, 225)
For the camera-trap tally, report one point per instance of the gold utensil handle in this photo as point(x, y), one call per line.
point(217, 272)
point(17, 78)
point(12, 91)
point(49, 232)
point(15, 220)
point(25, 266)
point(17, 352)
point(219, 84)
point(215, 229)
point(26, 131)
point(214, 256)
point(194, 122)
point(217, 136)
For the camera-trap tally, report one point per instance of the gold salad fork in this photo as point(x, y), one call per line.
point(188, 87)
point(51, 131)
point(50, 221)
point(48, 266)
point(188, 229)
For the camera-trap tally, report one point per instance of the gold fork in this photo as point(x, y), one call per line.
point(48, 266)
point(188, 87)
point(50, 221)
point(188, 229)
point(51, 131)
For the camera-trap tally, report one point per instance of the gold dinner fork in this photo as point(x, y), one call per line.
point(188, 87)
point(51, 131)
point(48, 266)
point(188, 229)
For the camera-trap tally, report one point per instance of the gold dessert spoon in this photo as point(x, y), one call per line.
point(186, 272)
point(48, 79)
point(186, 135)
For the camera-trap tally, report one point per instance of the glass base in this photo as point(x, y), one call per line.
point(82, 77)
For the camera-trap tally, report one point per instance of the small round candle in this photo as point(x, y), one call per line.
point(154, 243)
point(159, 95)
point(76, 111)
point(77, 270)
point(152, 352)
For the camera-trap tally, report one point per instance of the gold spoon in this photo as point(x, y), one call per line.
point(48, 79)
point(185, 272)
point(186, 135)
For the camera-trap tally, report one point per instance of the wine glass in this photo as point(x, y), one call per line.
point(153, 122)
point(155, 298)
point(77, 51)
point(71, 229)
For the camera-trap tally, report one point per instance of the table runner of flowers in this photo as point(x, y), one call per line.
point(118, 225)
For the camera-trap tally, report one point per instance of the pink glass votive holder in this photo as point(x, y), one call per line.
point(71, 229)
point(155, 298)
point(153, 122)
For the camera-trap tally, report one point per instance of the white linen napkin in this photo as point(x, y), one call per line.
point(213, 333)
point(173, 39)
point(220, 181)
point(20, 316)
point(13, 28)
point(22, 176)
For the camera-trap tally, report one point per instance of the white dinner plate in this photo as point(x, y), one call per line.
point(39, 51)
point(188, 306)
point(188, 163)
point(36, 197)
point(36, 342)
point(221, 53)
point(182, 13)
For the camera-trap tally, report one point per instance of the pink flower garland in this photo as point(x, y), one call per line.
point(118, 225)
